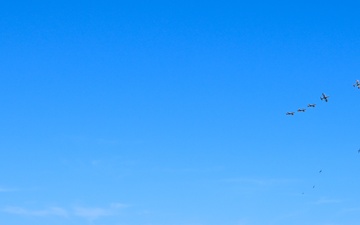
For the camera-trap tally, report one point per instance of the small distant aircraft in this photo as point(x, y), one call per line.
point(320, 171)
point(301, 110)
point(314, 186)
point(359, 150)
point(311, 105)
point(357, 84)
point(290, 113)
point(324, 97)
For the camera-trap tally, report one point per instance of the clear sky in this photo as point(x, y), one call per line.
point(173, 112)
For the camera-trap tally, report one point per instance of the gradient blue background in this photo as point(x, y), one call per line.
point(173, 112)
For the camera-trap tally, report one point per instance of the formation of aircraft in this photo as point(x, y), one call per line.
point(323, 97)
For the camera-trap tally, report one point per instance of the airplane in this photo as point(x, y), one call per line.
point(359, 151)
point(320, 171)
point(290, 113)
point(357, 84)
point(311, 105)
point(314, 186)
point(324, 97)
point(301, 110)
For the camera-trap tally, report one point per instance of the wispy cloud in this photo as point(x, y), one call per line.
point(323, 201)
point(7, 190)
point(118, 205)
point(95, 162)
point(260, 181)
point(103, 141)
point(94, 213)
point(89, 213)
point(53, 211)
point(192, 170)
point(351, 210)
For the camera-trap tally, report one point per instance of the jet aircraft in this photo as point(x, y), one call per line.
point(311, 105)
point(324, 97)
point(301, 110)
point(357, 84)
point(290, 113)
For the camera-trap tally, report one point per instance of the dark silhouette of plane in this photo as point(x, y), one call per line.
point(301, 110)
point(324, 97)
point(311, 105)
point(357, 84)
point(290, 113)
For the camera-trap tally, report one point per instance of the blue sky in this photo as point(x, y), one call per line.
point(173, 113)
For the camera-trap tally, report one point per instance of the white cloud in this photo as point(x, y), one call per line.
point(350, 210)
point(89, 213)
point(2, 189)
point(53, 211)
point(94, 213)
point(104, 141)
point(119, 205)
point(322, 201)
point(260, 181)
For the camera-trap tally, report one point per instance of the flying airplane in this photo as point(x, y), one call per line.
point(290, 113)
point(357, 84)
point(359, 151)
point(320, 171)
point(311, 105)
point(301, 110)
point(324, 97)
